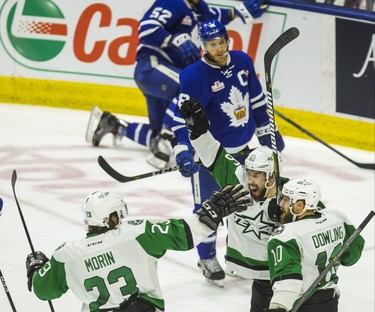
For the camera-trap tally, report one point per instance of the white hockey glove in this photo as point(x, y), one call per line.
point(222, 203)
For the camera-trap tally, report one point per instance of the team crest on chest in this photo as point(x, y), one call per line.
point(218, 85)
point(237, 108)
point(257, 225)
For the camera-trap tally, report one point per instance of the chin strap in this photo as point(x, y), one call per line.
point(295, 215)
point(268, 187)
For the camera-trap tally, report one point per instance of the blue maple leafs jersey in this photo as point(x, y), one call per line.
point(170, 17)
point(232, 97)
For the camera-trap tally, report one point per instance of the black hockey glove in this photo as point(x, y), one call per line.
point(33, 264)
point(195, 118)
point(275, 310)
point(222, 203)
point(274, 211)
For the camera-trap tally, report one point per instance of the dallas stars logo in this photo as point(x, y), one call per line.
point(257, 225)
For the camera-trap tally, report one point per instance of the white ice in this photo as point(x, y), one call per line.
point(57, 169)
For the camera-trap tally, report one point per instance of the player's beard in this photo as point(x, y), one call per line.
point(286, 217)
point(261, 194)
point(213, 59)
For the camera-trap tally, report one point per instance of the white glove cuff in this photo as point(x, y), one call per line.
point(274, 305)
point(180, 148)
point(263, 130)
point(247, 17)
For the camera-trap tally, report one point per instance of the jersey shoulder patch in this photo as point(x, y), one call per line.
point(278, 230)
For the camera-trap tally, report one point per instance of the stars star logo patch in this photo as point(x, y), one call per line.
point(256, 225)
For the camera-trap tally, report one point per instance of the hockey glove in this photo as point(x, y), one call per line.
point(195, 118)
point(274, 211)
point(243, 14)
point(255, 7)
point(34, 262)
point(263, 134)
point(222, 203)
point(275, 310)
point(185, 159)
point(183, 45)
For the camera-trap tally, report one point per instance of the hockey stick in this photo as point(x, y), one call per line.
point(333, 261)
point(123, 179)
point(14, 180)
point(285, 38)
point(360, 165)
point(7, 292)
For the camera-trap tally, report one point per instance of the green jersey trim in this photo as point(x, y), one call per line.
point(236, 257)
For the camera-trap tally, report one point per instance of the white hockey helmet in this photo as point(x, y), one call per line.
point(260, 159)
point(302, 189)
point(98, 206)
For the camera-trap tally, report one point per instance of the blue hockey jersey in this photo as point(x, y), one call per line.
point(170, 17)
point(232, 97)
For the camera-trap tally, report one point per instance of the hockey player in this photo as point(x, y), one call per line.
point(165, 47)
point(115, 267)
point(301, 248)
point(248, 231)
point(232, 96)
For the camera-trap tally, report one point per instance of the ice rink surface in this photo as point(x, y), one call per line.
point(56, 170)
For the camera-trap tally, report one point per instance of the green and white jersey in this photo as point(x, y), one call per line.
point(112, 269)
point(248, 231)
point(299, 251)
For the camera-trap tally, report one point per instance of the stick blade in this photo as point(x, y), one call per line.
point(365, 166)
point(112, 172)
point(14, 178)
point(281, 41)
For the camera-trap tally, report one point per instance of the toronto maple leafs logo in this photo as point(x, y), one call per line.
point(237, 108)
point(256, 225)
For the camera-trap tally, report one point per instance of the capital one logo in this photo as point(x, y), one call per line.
point(36, 29)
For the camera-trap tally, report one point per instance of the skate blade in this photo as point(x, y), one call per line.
point(95, 115)
point(218, 283)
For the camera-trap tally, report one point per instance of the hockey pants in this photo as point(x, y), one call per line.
point(159, 82)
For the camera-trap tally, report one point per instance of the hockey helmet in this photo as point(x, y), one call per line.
point(260, 159)
point(98, 206)
point(212, 29)
point(302, 189)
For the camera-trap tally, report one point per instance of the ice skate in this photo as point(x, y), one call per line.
point(161, 149)
point(101, 123)
point(212, 271)
point(95, 115)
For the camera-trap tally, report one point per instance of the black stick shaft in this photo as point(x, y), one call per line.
point(286, 37)
point(123, 178)
point(14, 180)
point(7, 292)
point(333, 261)
point(360, 165)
